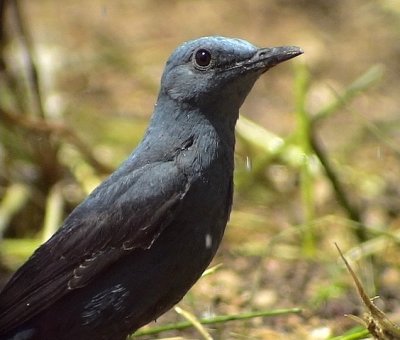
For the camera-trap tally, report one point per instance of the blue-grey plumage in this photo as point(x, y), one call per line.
point(140, 240)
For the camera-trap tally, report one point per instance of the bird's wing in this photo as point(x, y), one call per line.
point(128, 211)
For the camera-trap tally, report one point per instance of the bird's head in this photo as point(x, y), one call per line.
point(214, 70)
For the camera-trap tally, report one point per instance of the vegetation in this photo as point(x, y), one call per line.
point(317, 161)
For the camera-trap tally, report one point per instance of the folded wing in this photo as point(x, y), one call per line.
point(126, 212)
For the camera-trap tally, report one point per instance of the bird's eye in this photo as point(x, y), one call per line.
point(202, 58)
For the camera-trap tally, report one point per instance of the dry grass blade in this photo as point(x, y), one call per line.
point(376, 321)
point(212, 270)
point(196, 323)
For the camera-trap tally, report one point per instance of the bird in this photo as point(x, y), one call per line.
point(134, 247)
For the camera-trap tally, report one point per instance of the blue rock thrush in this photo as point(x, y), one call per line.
point(143, 237)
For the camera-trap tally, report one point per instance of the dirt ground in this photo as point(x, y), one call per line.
point(100, 63)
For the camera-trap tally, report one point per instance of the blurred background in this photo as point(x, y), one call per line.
point(317, 157)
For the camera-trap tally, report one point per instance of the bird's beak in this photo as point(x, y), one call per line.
point(265, 58)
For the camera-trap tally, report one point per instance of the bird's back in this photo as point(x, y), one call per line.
point(138, 277)
point(136, 245)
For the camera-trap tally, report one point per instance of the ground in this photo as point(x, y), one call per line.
point(99, 66)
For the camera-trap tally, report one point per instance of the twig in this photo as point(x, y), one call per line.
point(352, 211)
point(27, 49)
point(44, 151)
point(2, 32)
point(58, 129)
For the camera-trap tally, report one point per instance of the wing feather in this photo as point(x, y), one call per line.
point(126, 212)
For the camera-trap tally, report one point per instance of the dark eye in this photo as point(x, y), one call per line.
point(202, 58)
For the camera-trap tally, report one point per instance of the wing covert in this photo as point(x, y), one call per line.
point(125, 213)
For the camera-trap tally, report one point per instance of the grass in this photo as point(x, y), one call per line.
point(330, 175)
